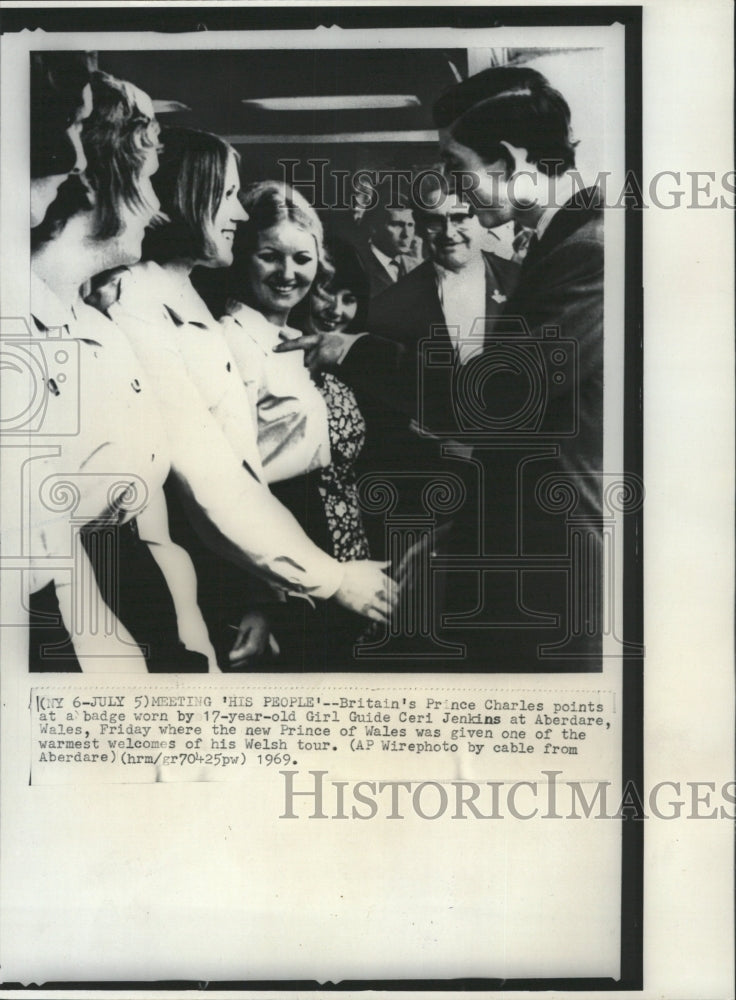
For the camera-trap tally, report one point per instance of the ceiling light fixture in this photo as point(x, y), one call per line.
point(344, 102)
point(166, 107)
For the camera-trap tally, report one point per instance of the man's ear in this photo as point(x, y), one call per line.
point(519, 155)
point(524, 180)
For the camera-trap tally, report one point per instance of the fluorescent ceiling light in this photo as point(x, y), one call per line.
point(332, 138)
point(163, 107)
point(344, 102)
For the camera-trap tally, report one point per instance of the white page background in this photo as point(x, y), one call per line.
point(688, 934)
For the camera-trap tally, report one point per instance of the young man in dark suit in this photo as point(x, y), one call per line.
point(386, 251)
point(505, 136)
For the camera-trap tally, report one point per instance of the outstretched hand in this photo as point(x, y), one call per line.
point(321, 350)
point(367, 590)
point(253, 639)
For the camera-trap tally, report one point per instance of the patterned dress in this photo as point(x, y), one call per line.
point(337, 482)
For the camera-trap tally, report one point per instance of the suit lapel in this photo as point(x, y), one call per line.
point(433, 315)
point(499, 289)
point(532, 251)
point(582, 207)
point(495, 294)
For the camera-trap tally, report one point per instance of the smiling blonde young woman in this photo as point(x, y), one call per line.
point(310, 429)
point(302, 419)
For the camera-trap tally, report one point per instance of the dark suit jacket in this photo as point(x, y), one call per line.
point(377, 274)
point(559, 298)
point(410, 312)
point(542, 391)
point(561, 287)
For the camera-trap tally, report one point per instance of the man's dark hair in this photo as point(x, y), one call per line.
point(512, 103)
point(387, 202)
point(58, 80)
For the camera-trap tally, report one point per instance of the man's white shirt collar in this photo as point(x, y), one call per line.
point(474, 270)
point(564, 190)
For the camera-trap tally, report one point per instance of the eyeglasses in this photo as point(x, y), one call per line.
point(438, 223)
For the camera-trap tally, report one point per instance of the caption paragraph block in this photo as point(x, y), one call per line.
point(166, 734)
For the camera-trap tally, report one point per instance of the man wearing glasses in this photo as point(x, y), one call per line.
point(451, 298)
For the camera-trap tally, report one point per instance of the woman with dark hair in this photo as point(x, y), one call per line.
point(215, 453)
point(337, 342)
point(341, 306)
point(333, 321)
point(61, 100)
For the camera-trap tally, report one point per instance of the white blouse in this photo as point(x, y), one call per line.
point(95, 396)
point(291, 414)
point(110, 459)
point(211, 433)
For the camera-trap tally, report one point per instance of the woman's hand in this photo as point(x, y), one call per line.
point(311, 344)
point(367, 590)
point(253, 639)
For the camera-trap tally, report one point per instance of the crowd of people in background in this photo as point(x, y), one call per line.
point(245, 362)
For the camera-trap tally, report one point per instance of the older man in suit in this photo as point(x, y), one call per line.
point(444, 305)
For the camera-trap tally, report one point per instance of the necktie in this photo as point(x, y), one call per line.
point(397, 266)
point(531, 248)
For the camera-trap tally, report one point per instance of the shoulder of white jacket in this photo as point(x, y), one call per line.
point(250, 324)
point(147, 279)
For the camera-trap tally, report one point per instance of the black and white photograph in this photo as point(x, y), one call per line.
point(359, 494)
point(337, 398)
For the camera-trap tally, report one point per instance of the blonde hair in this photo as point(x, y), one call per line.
point(269, 203)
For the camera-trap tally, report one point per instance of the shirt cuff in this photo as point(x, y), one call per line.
point(331, 573)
